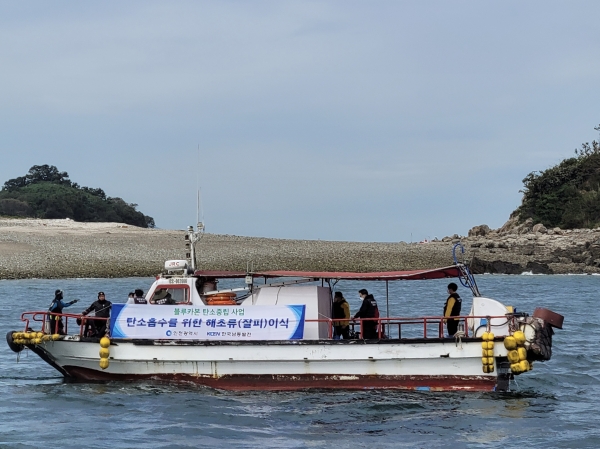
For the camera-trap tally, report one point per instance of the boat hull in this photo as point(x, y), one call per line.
point(428, 365)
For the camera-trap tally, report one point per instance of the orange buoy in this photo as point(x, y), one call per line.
point(221, 299)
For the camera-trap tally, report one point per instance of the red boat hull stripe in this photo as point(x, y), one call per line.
point(303, 381)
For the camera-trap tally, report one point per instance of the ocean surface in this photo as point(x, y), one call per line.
point(554, 406)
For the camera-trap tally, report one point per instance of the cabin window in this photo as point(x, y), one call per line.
point(170, 295)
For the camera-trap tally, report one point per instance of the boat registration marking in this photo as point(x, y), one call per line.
point(177, 281)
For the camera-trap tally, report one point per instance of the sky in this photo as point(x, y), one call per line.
point(335, 120)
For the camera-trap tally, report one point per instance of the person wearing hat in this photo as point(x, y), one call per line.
point(101, 309)
point(56, 307)
point(162, 297)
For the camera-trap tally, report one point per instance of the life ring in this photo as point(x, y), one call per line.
point(221, 299)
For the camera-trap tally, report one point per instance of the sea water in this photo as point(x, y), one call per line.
point(555, 405)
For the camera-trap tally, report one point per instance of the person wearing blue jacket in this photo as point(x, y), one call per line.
point(57, 306)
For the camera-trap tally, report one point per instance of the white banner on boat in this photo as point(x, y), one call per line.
point(180, 322)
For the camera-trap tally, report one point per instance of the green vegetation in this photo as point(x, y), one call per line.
point(45, 192)
point(566, 195)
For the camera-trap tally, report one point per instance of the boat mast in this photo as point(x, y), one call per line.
point(192, 237)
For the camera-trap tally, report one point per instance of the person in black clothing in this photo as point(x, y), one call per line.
point(452, 308)
point(101, 307)
point(139, 297)
point(368, 309)
point(57, 306)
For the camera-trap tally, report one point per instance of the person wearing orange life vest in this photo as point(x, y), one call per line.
point(452, 308)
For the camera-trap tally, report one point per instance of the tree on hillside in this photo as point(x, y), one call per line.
point(568, 194)
point(46, 192)
point(39, 173)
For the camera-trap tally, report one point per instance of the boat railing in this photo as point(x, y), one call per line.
point(387, 327)
point(408, 327)
point(52, 326)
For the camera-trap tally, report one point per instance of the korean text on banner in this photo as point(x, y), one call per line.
point(166, 322)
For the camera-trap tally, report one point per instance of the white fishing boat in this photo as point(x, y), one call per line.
point(275, 332)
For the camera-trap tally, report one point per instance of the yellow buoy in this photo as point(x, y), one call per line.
point(17, 335)
point(104, 363)
point(487, 353)
point(516, 368)
point(47, 338)
point(522, 353)
point(486, 360)
point(510, 343)
point(484, 336)
point(490, 336)
point(104, 353)
point(55, 337)
point(524, 364)
point(513, 356)
point(519, 337)
point(105, 342)
point(488, 368)
point(39, 334)
point(37, 341)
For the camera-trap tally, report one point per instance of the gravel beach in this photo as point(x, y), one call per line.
point(36, 248)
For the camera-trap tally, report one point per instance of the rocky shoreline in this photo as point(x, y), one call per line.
point(35, 248)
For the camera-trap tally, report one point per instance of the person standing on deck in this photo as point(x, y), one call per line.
point(452, 308)
point(368, 309)
point(341, 309)
point(101, 309)
point(57, 306)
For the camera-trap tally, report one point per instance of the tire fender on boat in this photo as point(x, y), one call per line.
point(15, 347)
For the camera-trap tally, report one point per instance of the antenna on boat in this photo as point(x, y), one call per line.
point(192, 237)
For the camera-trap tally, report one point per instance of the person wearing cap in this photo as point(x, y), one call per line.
point(452, 308)
point(101, 309)
point(56, 307)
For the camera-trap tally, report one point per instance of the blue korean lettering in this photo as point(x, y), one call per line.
point(131, 322)
point(187, 322)
point(221, 323)
point(211, 323)
point(246, 323)
point(141, 322)
point(173, 322)
point(197, 322)
point(232, 323)
point(162, 322)
point(152, 322)
point(284, 322)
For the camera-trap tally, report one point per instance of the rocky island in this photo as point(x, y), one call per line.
point(555, 230)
